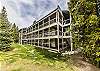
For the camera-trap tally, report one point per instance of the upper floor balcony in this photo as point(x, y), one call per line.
point(66, 22)
point(46, 22)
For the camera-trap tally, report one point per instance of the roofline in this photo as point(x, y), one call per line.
point(47, 15)
point(22, 28)
point(58, 8)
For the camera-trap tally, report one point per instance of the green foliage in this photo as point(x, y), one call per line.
point(8, 32)
point(85, 28)
point(5, 39)
point(14, 33)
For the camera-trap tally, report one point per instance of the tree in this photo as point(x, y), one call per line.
point(14, 33)
point(5, 39)
point(85, 28)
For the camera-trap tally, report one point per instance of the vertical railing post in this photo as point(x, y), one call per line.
point(49, 32)
point(21, 35)
point(58, 28)
point(43, 34)
point(19, 38)
point(38, 34)
point(71, 33)
point(56, 17)
point(62, 32)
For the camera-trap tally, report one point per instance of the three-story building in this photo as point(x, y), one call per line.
point(50, 32)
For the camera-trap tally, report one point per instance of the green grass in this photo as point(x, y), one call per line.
point(29, 58)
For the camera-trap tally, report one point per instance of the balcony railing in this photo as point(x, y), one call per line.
point(53, 33)
point(46, 34)
point(66, 33)
point(52, 21)
point(33, 29)
point(33, 36)
point(36, 28)
point(60, 21)
point(60, 33)
point(36, 36)
point(46, 24)
point(67, 21)
point(46, 44)
point(40, 35)
point(40, 26)
point(24, 37)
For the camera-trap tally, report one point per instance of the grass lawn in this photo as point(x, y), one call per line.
point(29, 58)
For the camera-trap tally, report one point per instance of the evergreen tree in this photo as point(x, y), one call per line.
point(14, 33)
point(85, 28)
point(5, 39)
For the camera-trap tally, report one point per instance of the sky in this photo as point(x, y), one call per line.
point(24, 12)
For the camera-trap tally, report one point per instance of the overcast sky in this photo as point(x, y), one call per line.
point(24, 12)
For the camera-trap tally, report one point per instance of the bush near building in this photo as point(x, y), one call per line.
point(86, 28)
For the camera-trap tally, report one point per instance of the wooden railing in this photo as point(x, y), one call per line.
point(52, 33)
point(46, 23)
point(40, 35)
point(66, 33)
point(40, 26)
point(52, 21)
point(60, 20)
point(66, 21)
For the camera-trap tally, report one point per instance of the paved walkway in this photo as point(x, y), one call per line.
point(82, 65)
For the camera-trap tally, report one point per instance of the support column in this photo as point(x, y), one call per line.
point(58, 28)
point(56, 17)
point(43, 34)
point(62, 32)
point(35, 35)
point(31, 38)
point(43, 29)
point(38, 34)
point(71, 34)
point(21, 36)
point(49, 32)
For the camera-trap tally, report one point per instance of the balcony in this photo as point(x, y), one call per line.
point(52, 21)
point(24, 37)
point(40, 26)
point(46, 34)
point(53, 33)
point(66, 33)
point(40, 42)
point(60, 33)
point(40, 35)
point(66, 21)
point(33, 36)
point(46, 44)
point(46, 23)
point(36, 36)
point(36, 28)
point(33, 29)
point(60, 21)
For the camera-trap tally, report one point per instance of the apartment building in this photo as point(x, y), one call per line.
point(51, 32)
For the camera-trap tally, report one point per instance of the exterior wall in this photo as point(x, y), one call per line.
point(50, 33)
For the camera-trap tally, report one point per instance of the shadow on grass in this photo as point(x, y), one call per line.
point(51, 55)
point(38, 53)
